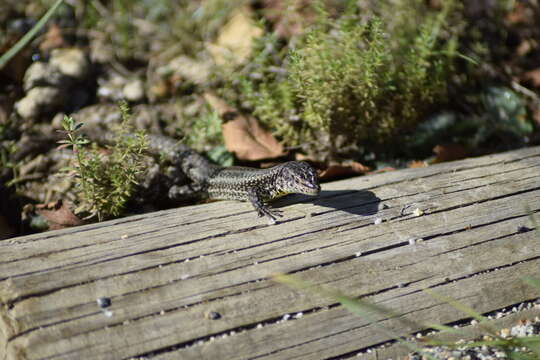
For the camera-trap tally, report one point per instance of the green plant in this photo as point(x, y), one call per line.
point(206, 130)
point(355, 306)
point(7, 149)
point(352, 80)
point(105, 180)
point(523, 348)
point(175, 27)
point(29, 35)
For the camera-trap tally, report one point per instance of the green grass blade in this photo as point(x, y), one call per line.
point(464, 309)
point(532, 281)
point(356, 306)
point(444, 328)
point(532, 343)
point(29, 35)
point(520, 356)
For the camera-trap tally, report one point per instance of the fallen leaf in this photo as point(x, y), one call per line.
point(234, 40)
point(53, 39)
point(348, 169)
point(435, 4)
point(243, 135)
point(58, 215)
point(449, 152)
point(417, 164)
point(533, 76)
point(518, 14)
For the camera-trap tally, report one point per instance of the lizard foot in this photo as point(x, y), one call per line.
point(271, 214)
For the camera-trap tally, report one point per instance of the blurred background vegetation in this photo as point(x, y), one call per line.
point(378, 83)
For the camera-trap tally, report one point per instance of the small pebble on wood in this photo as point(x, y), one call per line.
point(212, 315)
point(104, 302)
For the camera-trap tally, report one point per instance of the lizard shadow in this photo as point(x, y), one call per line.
point(358, 202)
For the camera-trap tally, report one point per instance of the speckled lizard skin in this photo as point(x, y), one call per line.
point(259, 186)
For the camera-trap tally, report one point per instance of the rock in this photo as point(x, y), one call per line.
point(47, 83)
point(71, 62)
point(42, 74)
point(179, 73)
point(134, 90)
point(196, 72)
point(110, 86)
point(38, 100)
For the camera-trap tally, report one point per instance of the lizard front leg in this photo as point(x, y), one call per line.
point(261, 208)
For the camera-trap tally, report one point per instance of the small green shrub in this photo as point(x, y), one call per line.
point(7, 150)
point(354, 79)
point(205, 130)
point(105, 180)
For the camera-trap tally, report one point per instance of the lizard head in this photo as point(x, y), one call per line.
point(298, 177)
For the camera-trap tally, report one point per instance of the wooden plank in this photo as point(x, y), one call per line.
point(164, 270)
point(314, 339)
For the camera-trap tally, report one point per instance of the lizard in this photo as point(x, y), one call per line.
point(258, 186)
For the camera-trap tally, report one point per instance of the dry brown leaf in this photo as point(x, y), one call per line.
point(435, 4)
point(449, 152)
point(58, 215)
point(351, 168)
point(417, 164)
point(243, 135)
point(235, 38)
point(53, 39)
point(518, 14)
point(533, 76)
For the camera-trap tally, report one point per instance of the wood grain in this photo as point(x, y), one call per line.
point(165, 271)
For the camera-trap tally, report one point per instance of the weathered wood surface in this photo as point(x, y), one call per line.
point(164, 271)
